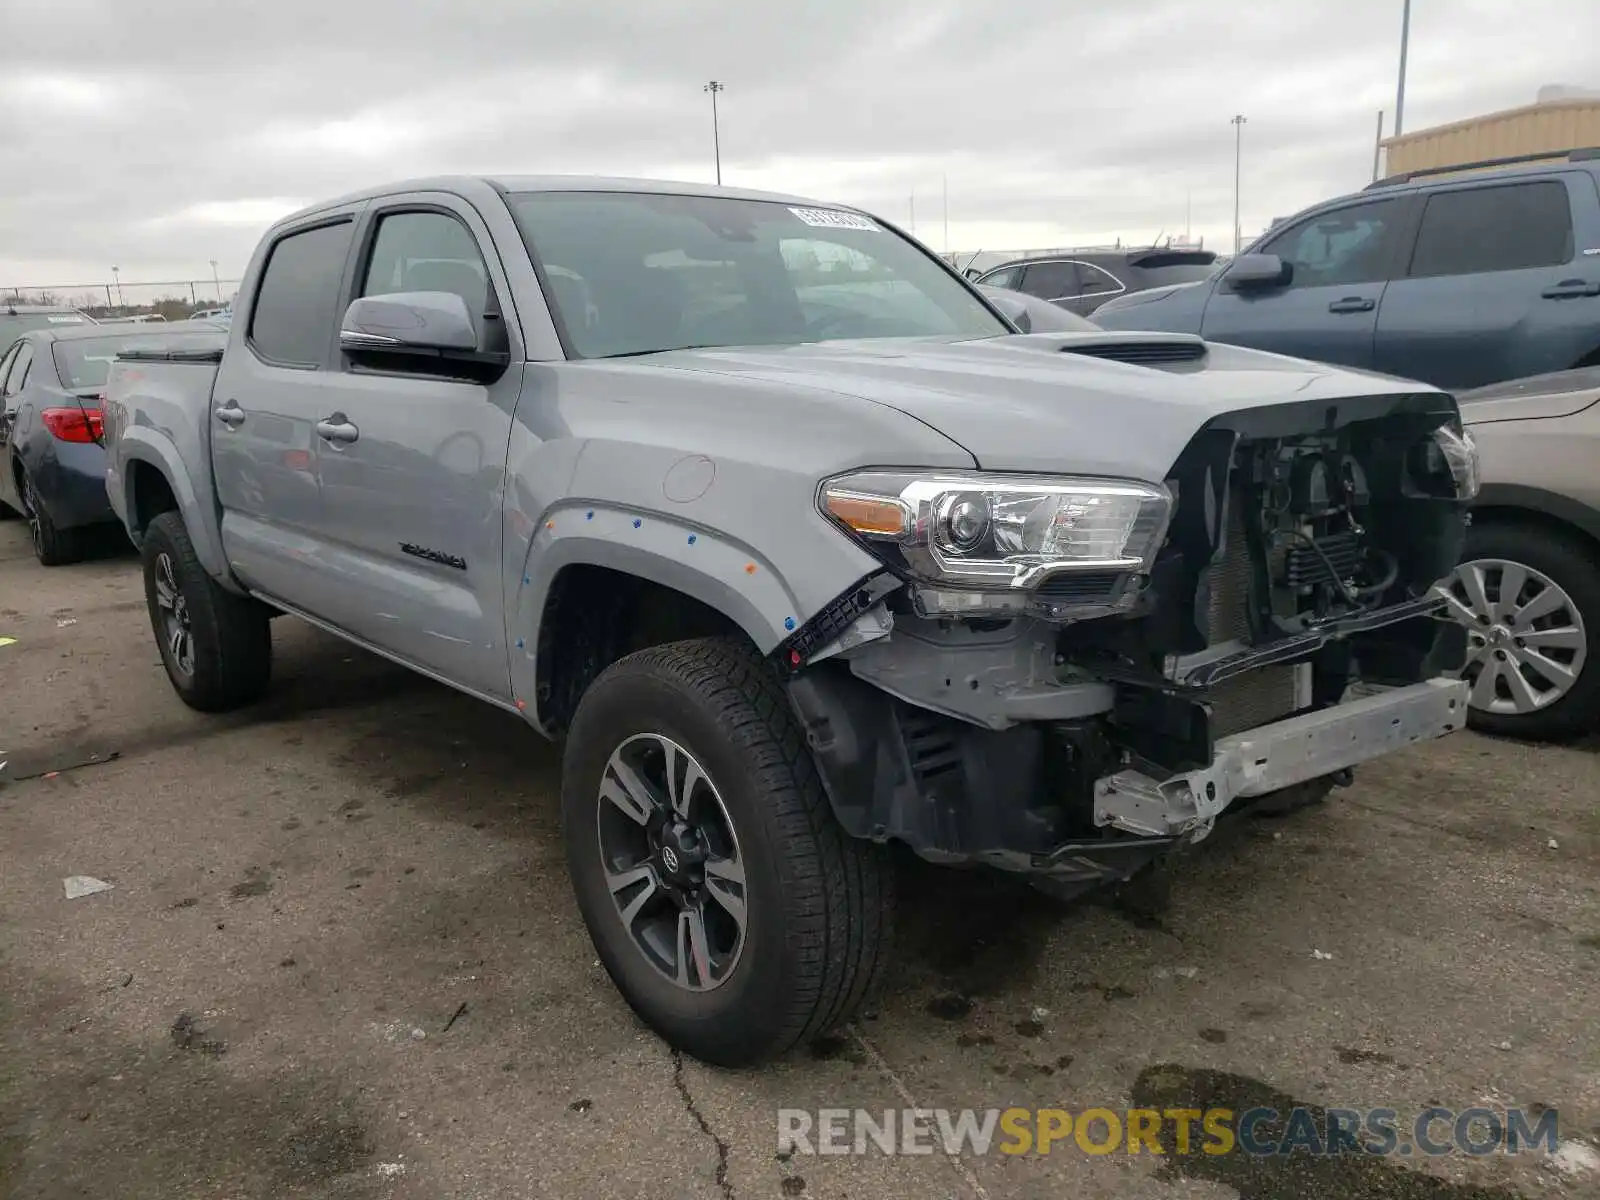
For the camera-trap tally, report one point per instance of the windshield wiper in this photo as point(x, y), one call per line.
point(661, 350)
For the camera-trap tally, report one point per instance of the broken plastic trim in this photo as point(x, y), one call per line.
point(830, 621)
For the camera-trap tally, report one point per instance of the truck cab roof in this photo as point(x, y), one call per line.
point(469, 185)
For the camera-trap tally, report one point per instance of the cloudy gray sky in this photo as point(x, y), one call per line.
point(157, 136)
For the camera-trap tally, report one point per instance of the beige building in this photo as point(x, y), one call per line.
point(1560, 120)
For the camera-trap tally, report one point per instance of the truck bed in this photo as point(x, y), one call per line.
point(158, 429)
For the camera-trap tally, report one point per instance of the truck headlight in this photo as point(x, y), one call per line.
point(1459, 449)
point(1007, 531)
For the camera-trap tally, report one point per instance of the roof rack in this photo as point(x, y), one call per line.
point(1585, 154)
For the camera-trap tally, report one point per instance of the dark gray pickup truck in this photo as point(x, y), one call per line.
point(801, 547)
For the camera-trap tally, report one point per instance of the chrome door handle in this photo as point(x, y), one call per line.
point(230, 414)
point(337, 428)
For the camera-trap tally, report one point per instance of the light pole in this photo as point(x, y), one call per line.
point(117, 279)
point(716, 134)
point(1238, 150)
point(1400, 88)
point(215, 282)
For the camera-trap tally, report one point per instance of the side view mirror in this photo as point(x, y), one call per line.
point(1014, 311)
point(437, 323)
point(1257, 271)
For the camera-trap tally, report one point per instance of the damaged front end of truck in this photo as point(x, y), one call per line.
point(1068, 678)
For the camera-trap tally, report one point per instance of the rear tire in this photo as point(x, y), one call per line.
point(1560, 639)
point(53, 547)
point(216, 646)
point(817, 905)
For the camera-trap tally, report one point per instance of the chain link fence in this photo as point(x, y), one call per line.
point(172, 299)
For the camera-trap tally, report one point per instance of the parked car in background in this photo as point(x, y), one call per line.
point(1528, 587)
point(1082, 280)
point(606, 455)
point(52, 446)
point(18, 319)
point(1033, 315)
point(1460, 282)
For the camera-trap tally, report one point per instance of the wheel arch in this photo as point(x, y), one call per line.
point(1591, 359)
point(600, 583)
point(154, 481)
point(1518, 503)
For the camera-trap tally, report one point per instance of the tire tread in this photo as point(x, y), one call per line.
point(840, 921)
point(237, 627)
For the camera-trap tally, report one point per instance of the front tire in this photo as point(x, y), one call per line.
point(1293, 798)
point(1530, 599)
point(687, 787)
point(216, 646)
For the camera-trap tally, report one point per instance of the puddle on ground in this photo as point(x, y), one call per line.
point(1280, 1177)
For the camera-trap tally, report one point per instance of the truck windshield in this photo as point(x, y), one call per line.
point(636, 273)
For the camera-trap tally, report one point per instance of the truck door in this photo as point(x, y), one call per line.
point(1327, 311)
point(1495, 286)
point(266, 398)
point(411, 458)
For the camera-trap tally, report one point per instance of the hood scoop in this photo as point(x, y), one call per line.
point(1143, 350)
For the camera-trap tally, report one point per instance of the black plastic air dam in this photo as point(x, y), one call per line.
point(1021, 799)
point(953, 792)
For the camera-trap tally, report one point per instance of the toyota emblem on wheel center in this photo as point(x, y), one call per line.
point(669, 858)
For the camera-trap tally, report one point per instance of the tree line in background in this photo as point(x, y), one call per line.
point(96, 303)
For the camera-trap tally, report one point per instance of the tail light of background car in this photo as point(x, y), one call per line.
point(84, 425)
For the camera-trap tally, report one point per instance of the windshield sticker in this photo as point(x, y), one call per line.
point(831, 218)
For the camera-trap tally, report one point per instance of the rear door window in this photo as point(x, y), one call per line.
point(1050, 280)
point(1097, 281)
point(5, 366)
point(295, 309)
point(18, 375)
point(1511, 227)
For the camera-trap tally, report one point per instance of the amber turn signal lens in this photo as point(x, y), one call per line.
point(868, 515)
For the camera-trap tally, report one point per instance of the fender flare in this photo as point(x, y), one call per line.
point(721, 573)
point(140, 445)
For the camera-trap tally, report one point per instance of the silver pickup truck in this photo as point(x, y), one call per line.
point(803, 550)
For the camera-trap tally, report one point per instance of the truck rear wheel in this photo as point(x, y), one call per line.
point(731, 911)
point(216, 646)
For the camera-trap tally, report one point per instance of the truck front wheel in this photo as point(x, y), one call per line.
point(729, 908)
point(216, 646)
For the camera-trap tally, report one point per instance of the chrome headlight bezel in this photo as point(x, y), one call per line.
point(920, 523)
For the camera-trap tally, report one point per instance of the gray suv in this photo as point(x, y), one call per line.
point(1458, 280)
point(801, 549)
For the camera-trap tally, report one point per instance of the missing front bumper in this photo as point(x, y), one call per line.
point(1277, 756)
